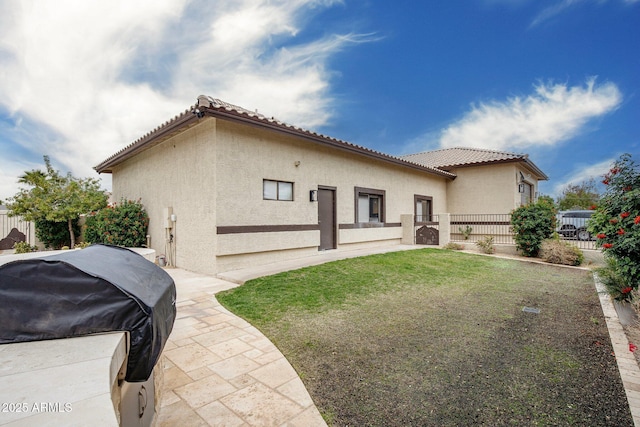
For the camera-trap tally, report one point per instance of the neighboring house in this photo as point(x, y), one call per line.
point(226, 188)
point(487, 182)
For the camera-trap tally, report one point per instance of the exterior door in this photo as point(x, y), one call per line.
point(327, 218)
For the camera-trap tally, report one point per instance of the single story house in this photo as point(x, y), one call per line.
point(226, 188)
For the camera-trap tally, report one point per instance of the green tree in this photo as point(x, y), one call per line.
point(547, 199)
point(532, 224)
point(579, 196)
point(51, 196)
point(55, 234)
point(616, 221)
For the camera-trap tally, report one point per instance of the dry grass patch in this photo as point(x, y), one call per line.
point(439, 338)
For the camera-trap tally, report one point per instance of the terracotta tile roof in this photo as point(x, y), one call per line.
point(449, 158)
point(211, 107)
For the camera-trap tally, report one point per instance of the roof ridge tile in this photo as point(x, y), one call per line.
point(204, 101)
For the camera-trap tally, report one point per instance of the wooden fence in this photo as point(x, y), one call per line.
point(13, 229)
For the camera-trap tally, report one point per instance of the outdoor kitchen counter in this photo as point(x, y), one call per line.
point(61, 382)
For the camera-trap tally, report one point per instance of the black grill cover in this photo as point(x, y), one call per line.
point(97, 289)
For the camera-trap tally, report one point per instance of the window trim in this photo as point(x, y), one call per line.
point(278, 182)
point(370, 192)
point(419, 197)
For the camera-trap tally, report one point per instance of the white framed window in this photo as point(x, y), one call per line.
point(277, 190)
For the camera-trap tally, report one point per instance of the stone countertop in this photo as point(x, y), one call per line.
point(61, 382)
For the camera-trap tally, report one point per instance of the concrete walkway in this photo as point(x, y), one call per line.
point(221, 371)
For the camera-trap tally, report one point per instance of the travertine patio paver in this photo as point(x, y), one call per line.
point(221, 371)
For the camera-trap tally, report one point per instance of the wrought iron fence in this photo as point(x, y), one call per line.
point(572, 226)
point(473, 227)
point(429, 220)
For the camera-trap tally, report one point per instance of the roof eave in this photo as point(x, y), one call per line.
point(542, 176)
point(149, 140)
point(201, 111)
point(523, 159)
point(319, 139)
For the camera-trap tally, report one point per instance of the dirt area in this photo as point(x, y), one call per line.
point(469, 355)
point(633, 329)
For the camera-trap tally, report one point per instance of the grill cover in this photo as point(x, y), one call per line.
point(97, 289)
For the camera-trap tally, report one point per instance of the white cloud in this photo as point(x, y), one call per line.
point(559, 7)
point(553, 10)
point(552, 114)
point(583, 173)
point(98, 75)
point(9, 173)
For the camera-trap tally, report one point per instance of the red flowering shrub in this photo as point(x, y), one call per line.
point(616, 222)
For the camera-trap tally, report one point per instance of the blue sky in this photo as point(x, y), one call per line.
point(557, 79)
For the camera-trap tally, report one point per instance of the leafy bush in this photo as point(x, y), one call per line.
point(616, 221)
point(55, 234)
point(617, 285)
point(24, 247)
point(532, 224)
point(486, 244)
point(555, 251)
point(123, 224)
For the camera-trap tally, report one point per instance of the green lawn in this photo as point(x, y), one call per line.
point(434, 337)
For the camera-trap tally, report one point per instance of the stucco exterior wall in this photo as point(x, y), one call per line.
point(247, 156)
point(488, 189)
point(178, 173)
point(212, 176)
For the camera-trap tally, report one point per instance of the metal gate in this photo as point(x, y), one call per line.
point(427, 236)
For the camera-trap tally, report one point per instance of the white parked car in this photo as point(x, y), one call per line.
point(573, 224)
